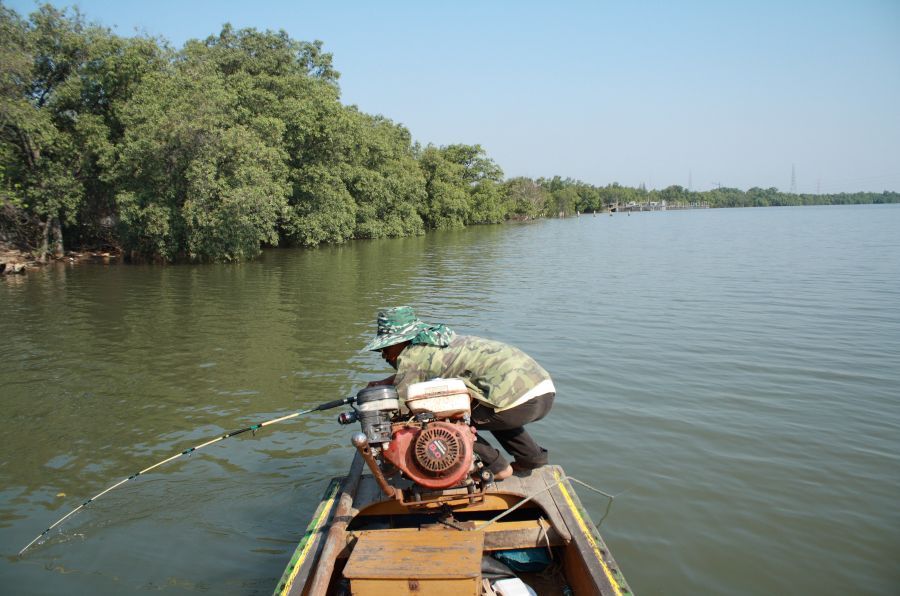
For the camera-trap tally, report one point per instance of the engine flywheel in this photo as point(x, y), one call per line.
point(438, 448)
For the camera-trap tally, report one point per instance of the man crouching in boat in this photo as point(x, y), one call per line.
point(509, 388)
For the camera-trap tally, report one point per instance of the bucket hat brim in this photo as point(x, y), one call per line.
point(383, 341)
point(395, 325)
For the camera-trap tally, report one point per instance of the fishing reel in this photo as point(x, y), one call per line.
point(430, 441)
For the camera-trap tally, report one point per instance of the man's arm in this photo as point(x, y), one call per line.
point(387, 381)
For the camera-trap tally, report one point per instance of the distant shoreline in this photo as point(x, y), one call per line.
point(17, 261)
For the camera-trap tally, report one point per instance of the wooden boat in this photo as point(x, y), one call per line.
point(363, 543)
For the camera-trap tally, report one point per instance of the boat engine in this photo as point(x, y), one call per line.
point(436, 454)
point(431, 444)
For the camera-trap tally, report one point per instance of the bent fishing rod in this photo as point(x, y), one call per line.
point(252, 428)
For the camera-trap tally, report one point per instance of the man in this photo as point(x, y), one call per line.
point(509, 389)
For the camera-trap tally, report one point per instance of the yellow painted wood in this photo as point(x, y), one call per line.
point(416, 562)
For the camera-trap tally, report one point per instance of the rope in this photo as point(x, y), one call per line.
point(493, 520)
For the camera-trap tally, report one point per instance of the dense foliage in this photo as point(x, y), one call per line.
point(237, 142)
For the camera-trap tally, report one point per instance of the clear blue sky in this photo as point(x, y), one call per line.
point(706, 93)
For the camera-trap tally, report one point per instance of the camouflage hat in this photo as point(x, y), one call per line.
point(395, 325)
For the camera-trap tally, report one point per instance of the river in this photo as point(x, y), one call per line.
point(731, 375)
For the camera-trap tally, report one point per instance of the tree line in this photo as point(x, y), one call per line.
point(569, 196)
point(238, 142)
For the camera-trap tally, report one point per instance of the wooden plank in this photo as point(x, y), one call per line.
point(413, 587)
point(523, 534)
point(415, 554)
point(503, 535)
point(493, 502)
point(536, 483)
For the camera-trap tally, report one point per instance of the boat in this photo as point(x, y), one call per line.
point(391, 529)
point(360, 541)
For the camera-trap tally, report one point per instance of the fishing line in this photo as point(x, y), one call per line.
point(252, 428)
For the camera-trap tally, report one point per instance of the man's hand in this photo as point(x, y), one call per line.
point(387, 381)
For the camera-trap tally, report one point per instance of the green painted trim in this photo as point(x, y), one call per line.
point(319, 517)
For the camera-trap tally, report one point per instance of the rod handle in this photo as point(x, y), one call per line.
point(334, 404)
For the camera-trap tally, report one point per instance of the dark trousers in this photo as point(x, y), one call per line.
point(506, 426)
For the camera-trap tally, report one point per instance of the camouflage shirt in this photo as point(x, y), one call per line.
point(498, 374)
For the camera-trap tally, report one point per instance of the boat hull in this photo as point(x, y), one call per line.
point(539, 510)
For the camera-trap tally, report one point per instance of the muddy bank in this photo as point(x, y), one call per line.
point(18, 262)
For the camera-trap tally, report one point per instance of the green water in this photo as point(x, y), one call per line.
point(732, 373)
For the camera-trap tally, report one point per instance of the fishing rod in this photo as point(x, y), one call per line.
point(252, 428)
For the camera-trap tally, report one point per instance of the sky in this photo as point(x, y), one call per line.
point(700, 94)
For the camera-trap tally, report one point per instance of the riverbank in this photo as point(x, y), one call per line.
point(14, 261)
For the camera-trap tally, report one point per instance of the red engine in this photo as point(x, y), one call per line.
point(431, 441)
point(434, 454)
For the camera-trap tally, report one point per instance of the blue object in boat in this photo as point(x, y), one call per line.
point(527, 560)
